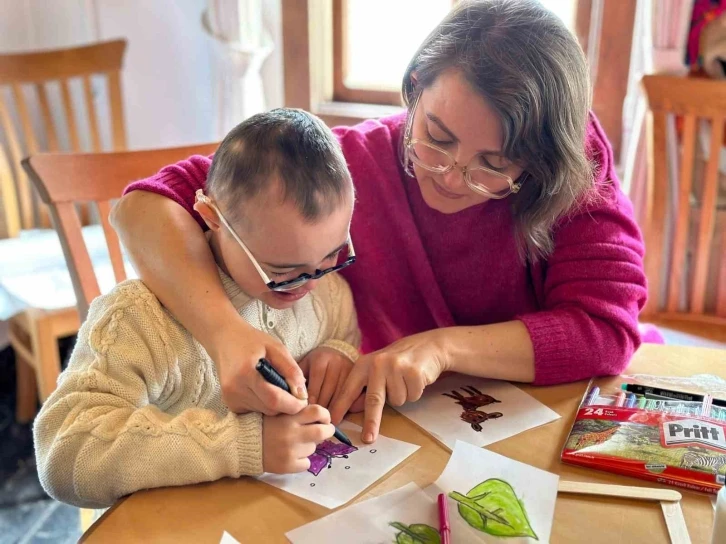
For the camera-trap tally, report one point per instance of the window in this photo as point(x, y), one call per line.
point(344, 59)
point(371, 52)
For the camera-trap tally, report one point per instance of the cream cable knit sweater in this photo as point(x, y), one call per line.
point(140, 405)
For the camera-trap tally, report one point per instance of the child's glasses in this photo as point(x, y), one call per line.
point(345, 258)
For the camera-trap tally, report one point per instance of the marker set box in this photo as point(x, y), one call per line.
point(653, 436)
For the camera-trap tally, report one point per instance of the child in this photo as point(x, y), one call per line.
point(139, 405)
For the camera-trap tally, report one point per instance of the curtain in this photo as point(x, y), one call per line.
point(240, 45)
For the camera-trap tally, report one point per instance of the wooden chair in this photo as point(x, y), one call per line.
point(98, 178)
point(686, 274)
point(32, 79)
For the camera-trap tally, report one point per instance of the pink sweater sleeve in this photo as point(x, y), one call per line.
point(178, 182)
point(593, 286)
point(594, 289)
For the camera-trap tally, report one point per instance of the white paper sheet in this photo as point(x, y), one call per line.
point(521, 496)
point(345, 477)
point(441, 416)
point(228, 539)
point(369, 522)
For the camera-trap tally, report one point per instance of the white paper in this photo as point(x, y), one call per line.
point(535, 489)
point(369, 522)
point(719, 521)
point(228, 539)
point(346, 477)
point(441, 416)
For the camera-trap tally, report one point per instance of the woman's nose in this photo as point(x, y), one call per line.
point(454, 179)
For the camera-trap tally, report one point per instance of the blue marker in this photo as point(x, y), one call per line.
point(592, 396)
point(631, 400)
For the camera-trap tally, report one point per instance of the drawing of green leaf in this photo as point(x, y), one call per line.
point(416, 533)
point(493, 508)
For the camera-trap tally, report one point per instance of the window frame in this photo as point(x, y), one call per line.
point(310, 54)
point(308, 65)
point(341, 92)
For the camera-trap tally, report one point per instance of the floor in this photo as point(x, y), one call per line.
point(27, 514)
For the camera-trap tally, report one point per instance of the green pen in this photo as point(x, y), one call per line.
point(642, 401)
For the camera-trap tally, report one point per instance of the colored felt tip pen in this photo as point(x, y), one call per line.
point(631, 400)
point(592, 396)
point(657, 392)
point(444, 525)
point(621, 399)
point(273, 377)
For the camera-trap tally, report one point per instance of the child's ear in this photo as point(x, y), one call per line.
point(209, 216)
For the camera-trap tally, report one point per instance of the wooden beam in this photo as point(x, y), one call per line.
point(296, 53)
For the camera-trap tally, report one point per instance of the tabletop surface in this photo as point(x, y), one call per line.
point(252, 511)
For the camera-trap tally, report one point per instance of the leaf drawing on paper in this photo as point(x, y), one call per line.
point(324, 454)
point(416, 533)
point(476, 399)
point(493, 508)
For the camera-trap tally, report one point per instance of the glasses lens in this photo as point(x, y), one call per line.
point(342, 256)
point(294, 284)
point(484, 181)
point(428, 157)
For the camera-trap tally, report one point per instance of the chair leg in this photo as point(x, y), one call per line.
point(26, 404)
point(45, 348)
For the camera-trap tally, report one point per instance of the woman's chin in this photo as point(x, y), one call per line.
point(444, 204)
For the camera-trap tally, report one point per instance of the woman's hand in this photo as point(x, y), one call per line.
point(288, 441)
point(398, 373)
point(236, 349)
point(326, 370)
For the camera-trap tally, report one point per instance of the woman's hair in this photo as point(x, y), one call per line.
point(287, 146)
point(531, 70)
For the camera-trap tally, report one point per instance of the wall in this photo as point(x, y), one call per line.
point(168, 85)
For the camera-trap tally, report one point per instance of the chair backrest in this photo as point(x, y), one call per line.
point(683, 269)
point(64, 180)
point(32, 79)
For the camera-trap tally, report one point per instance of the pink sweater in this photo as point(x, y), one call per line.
point(419, 269)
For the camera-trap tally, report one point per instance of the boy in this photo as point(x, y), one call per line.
point(139, 405)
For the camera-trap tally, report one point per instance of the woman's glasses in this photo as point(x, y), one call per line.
point(345, 257)
point(478, 178)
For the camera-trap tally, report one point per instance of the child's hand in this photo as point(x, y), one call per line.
point(326, 370)
point(288, 441)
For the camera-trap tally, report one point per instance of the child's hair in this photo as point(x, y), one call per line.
point(291, 146)
point(522, 59)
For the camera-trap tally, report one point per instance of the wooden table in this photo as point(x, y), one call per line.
point(254, 512)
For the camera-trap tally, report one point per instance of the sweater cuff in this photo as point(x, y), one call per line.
point(351, 352)
point(249, 444)
point(552, 361)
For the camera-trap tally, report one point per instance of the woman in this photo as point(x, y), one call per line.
point(492, 235)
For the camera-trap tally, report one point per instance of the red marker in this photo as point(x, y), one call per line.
point(444, 527)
